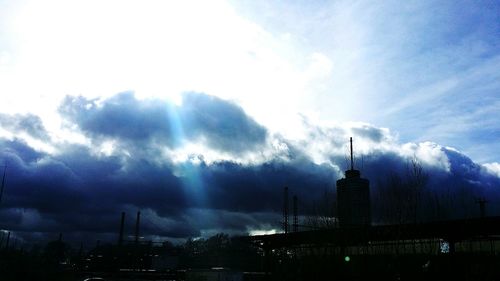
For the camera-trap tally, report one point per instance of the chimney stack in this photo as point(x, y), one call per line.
point(295, 215)
point(122, 223)
point(137, 224)
point(285, 210)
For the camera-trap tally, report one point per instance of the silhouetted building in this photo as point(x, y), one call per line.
point(353, 198)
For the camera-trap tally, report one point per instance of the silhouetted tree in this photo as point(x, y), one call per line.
point(400, 196)
point(416, 180)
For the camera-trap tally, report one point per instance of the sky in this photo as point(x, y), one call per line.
point(198, 113)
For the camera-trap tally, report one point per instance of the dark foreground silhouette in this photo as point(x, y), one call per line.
point(223, 258)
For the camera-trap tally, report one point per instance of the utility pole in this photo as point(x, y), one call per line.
point(295, 215)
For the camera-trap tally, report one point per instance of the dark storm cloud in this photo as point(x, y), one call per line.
point(259, 188)
point(77, 191)
point(453, 191)
point(35, 181)
point(122, 116)
point(80, 192)
point(18, 151)
point(222, 125)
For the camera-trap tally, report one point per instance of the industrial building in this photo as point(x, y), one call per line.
point(353, 198)
point(465, 249)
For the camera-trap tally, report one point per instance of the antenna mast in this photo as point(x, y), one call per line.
point(352, 162)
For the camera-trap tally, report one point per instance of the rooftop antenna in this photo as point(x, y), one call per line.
point(352, 161)
point(3, 182)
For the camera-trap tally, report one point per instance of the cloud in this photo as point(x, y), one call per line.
point(121, 116)
point(369, 132)
point(224, 125)
point(417, 67)
point(79, 192)
point(29, 124)
point(220, 124)
point(493, 168)
point(82, 193)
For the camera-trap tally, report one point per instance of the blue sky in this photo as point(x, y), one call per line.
point(126, 105)
point(426, 69)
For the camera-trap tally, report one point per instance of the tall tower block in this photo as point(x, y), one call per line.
point(353, 198)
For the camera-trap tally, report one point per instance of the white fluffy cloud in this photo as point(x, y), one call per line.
point(493, 168)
